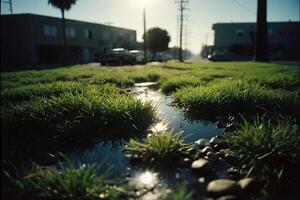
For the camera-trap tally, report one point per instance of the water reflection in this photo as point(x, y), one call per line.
point(174, 119)
point(144, 179)
point(171, 119)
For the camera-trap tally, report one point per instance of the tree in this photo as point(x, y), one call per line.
point(157, 40)
point(63, 5)
point(261, 43)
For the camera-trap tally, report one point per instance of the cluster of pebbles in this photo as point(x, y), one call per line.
point(214, 167)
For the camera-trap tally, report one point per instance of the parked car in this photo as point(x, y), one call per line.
point(117, 56)
point(158, 58)
point(139, 56)
point(218, 57)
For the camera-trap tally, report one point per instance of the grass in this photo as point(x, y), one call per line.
point(94, 112)
point(27, 92)
point(47, 108)
point(67, 182)
point(160, 149)
point(237, 96)
point(267, 150)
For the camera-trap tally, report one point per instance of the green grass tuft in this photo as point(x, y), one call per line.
point(160, 149)
point(266, 151)
point(237, 96)
point(66, 183)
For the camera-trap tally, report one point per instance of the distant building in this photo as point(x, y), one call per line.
point(237, 40)
point(29, 40)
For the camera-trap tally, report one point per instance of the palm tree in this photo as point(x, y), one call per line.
point(63, 5)
point(261, 43)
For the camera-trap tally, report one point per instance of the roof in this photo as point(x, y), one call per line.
point(253, 23)
point(73, 20)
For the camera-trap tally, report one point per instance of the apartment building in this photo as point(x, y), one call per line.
point(238, 39)
point(30, 40)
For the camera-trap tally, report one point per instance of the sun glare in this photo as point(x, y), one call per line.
point(141, 3)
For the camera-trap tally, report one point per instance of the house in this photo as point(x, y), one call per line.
point(237, 40)
point(30, 40)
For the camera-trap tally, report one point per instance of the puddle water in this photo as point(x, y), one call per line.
point(171, 119)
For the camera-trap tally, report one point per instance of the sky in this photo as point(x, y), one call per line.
point(200, 15)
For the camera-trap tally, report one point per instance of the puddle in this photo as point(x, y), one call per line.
point(171, 119)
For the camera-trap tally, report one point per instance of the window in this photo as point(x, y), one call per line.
point(49, 30)
point(105, 35)
point(70, 32)
point(88, 34)
point(240, 32)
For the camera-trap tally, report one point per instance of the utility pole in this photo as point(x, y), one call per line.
point(261, 42)
point(145, 36)
point(9, 2)
point(182, 8)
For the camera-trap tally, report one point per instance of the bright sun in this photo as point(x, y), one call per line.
point(141, 3)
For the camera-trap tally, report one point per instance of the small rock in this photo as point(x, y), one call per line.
point(201, 166)
point(223, 187)
point(202, 143)
point(184, 162)
point(234, 172)
point(249, 185)
point(221, 153)
point(212, 156)
point(205, 150)
point(201, 179)
point(215, 140)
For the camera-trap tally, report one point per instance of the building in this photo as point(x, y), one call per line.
point(237, 40)
point(30, 40)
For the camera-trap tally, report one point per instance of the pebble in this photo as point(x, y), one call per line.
point(207, 149)
point(215, 140)
point(249, 185)
point(223, 187)
point(202, 143)
point(201, 166)
point(212, 156)
point(201, 179)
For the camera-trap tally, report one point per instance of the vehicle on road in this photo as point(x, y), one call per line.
point(117, 56)
point(139, 56)
point(158, 58)
point(218, 57)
